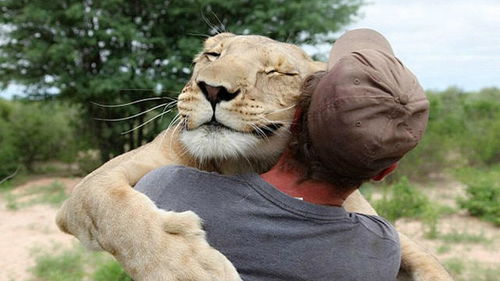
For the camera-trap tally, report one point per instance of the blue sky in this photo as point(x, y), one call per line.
point(444, 42)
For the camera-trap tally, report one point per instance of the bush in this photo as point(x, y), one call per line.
point(431, 156)
point(76, 264)
point(481, 143)
point(58, 265)
point(463, 130)
point(32, 131)
point(110, 270)
point(8, 152)
point(39, 132)
point(403, 200)
point(9, 157)
point(439, 141)
point(483, 193)
point(88, 161)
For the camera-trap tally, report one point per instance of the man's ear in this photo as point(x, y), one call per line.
point(380, 176)
point(296, 120)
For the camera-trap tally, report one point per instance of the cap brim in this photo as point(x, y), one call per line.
point(358, 39)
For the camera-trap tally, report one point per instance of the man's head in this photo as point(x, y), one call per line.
point(362, 115)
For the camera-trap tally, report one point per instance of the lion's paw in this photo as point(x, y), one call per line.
point(79, 226)
point(182, 223)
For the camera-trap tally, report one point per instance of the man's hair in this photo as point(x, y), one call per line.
point(303, 156)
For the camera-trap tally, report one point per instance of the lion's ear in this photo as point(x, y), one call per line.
point(212, 41)
point(318, 66)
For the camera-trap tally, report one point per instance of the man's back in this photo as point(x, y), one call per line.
point(271, 236)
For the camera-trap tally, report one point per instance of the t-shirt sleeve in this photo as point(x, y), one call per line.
point(380, 227)
point(387, 233)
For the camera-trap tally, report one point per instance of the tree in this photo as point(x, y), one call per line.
point(91, 51)
point(9, 156)
point(35, 131)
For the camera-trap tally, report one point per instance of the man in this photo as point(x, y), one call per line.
point(353, 124)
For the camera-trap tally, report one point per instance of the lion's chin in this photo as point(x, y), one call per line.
point(207, 143)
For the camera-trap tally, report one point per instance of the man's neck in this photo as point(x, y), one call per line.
point(289, 181)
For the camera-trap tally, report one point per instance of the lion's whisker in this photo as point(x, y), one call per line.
point(146, 90)
point(132, 116)
point(269, 122)
point(175, 119)
point(173, 134)
point(147, 122)
point(282, 133)
point(212, 26)
point(199, 34)
point(259, 131)
point(281, 110)
point(170, 104)
point(221, 24)
point(130, 103)
point(248, 160)
point(275, 132)
point(172, 122)
point(184, 149)
point(283, 122)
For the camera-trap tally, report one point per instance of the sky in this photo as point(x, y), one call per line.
point(444, 42)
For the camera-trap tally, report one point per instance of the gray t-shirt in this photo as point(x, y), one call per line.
point(269, 235)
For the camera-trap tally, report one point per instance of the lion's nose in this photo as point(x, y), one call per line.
point(216, 94)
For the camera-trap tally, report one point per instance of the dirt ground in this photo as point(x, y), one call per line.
point(445, 191)
point(474, 257)
point(23, 229)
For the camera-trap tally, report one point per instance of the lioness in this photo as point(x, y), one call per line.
point(235, 113)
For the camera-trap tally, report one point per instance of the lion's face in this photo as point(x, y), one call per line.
point(239, 102)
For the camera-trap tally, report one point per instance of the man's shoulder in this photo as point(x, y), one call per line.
point(175, 172)
point(159, 173)
point(172, 170)
point(163, 177)
point(184, 181)
point(186, 171)
point(378, 226)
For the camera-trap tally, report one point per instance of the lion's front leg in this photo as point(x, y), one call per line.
point(180, 254)
point(150, 244)
point(417, 263)
point(105, 213)
point(157, 245)
point(95, 197)
point(420, 264)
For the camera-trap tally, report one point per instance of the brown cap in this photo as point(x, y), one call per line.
point(368, 110)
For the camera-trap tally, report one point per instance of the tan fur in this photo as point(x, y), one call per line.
point(105, 212)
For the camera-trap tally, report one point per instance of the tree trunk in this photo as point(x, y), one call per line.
point(140, 132)
point(131, 139)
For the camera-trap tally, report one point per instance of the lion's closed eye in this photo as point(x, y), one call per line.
point(211, 56)
point(275, 71)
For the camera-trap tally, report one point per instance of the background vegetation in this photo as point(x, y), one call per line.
point(463, 140)
point(463, 130)
point(117, 51)
point(38, 131)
